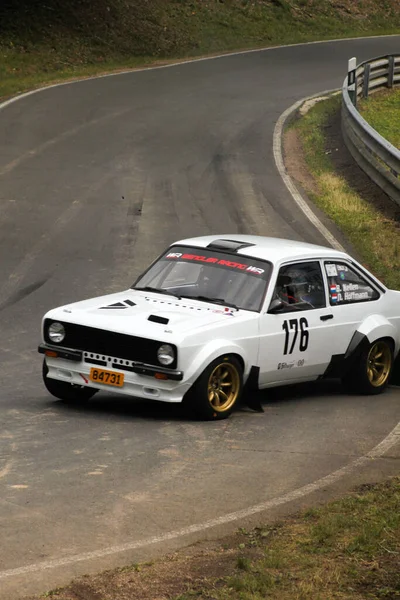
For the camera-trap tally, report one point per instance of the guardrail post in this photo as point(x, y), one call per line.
point(367, 71)
point(390, 80)
point(352, 80)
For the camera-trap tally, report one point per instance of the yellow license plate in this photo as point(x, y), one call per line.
point(106, 377)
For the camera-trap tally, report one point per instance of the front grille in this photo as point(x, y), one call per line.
point(95, 361)
point(99, 341)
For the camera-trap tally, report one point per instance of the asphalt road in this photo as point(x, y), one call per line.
point(97, 177)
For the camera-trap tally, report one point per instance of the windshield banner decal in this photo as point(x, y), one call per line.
point(217, 261)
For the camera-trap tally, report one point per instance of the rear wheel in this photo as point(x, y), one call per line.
point(68, 392)
point(217, 391)
point(372, 373)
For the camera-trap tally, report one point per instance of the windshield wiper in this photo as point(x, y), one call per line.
point(148, 288)
point(212, 300)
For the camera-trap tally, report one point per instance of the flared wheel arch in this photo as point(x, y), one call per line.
point(356, 377)
point(194, 399)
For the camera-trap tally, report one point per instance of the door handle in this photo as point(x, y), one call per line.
point(326, 317)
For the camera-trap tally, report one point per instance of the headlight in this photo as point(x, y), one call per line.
point(56, 332)
point(165, 354)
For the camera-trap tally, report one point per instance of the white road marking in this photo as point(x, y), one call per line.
point(287, 180)
point(6, 470)
point(185, 62)
point(309, 104)
point(391, 440)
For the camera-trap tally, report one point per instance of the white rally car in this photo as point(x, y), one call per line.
point(213, 314)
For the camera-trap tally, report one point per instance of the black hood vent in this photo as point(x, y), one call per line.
point(157, 319)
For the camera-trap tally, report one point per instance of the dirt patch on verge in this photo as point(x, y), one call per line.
point(295, 163)
point(200, 567)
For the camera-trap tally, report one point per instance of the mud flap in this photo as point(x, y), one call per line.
point(251, 400)
point(251, 393)
point(395, 376)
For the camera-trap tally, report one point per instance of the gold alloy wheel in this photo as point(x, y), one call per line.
point(223, 387)
point(379, 362)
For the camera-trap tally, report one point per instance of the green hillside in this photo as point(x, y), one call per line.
point(44, 39)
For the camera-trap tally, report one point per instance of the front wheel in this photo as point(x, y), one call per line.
point(68, 392)
point(372, 372)
point(216, 392)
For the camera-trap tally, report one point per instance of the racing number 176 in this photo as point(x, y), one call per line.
point(295, 326)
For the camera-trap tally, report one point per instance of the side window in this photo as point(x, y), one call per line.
point(346, 286)
point(300, 287)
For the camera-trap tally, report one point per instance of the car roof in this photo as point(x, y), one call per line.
point(275, 250)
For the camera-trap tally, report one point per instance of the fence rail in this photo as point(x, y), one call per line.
point(375, 155)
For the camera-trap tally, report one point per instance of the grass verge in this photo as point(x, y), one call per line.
point(347, 549)
point(375, 236)
point(382, 111)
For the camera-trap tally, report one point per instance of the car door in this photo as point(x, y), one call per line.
point(295, 326)
point(352, 298)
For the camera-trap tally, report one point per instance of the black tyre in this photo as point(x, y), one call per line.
point(68, 392)
point(373, 369)
point(217, 391)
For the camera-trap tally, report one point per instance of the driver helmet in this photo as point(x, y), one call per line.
point(302, 288)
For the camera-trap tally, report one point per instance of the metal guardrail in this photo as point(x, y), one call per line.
point(375, 155)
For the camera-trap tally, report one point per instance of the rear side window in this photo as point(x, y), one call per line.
point(347, 286)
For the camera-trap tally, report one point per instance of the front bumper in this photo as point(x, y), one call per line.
point(140, 380)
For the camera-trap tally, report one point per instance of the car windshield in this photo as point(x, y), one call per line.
point(209, 276)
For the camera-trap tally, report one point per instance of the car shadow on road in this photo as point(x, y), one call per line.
point(123, 407)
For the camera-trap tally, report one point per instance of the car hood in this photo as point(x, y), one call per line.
point(148, 314)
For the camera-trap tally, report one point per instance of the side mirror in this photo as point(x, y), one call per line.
point(275, 306)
